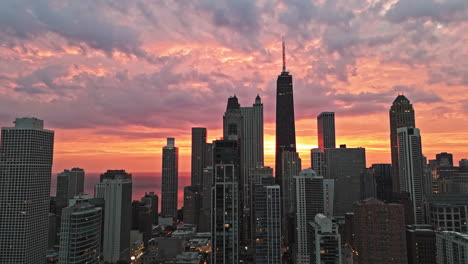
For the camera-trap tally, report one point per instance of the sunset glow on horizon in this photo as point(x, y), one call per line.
point(115, 80)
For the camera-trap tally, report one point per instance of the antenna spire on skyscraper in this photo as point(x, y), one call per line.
point(284, 56)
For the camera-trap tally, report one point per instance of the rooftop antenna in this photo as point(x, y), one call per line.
point(284, 57)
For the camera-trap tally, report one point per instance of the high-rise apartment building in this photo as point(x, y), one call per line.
point(411, 169)
point(170, 177)
point(153, 199)
point(80, 233)
point(258, 176)
point(26, 152)
point(267, 215)
point(204, 224)
point(401, 115)
point(452, 247)
point(285, 126)
point(326, 130)
point(291, 167)
point(421, 243)
point(115, 188)
point(69, 184)
point(383, 181)
point(324, 240)
point(192, 205)
point(225, 211)
point(345, 165)
point(379, 230)
point(308, 188)
point(252, 157)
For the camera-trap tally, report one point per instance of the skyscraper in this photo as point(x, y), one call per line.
point(285, 127)
point(326, 130)
point(198, 154)
point(308, 188)
point(80, 235)
point(411, 170)
point(206, 206)
point(401, 115)
point(291, 167)
point(383, 181)
point(421, 243)
point(170, 176)
point(192, 205)
point(324, 240)
point(379, 230)
point(267, 215)
point(252, 157)
point(317, 161)
point(116, 190)
point(26, 152)
point(226, 212)
point(345, 165)
point(153, 199)
point(69, 184)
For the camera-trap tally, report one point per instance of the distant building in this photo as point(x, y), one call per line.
point(368, 185)
point(379, 232)
point(308, 188)
point(345, 166)
point(411, 169)
point(192, 205)
point(69, 184)
point(452, 248)
point(204, 223)
point(444, 159)
point(116, 190)
point(421, 243)
point(26, 153)
point(326, 130)
point(383, 181)
point(456, 181)
point(226, 212)
point(448, 212)
point(80, 235)
point(170, 176)
point(324, 241)
point(198, 155)
point(152, 199)
point(142, 219)
point(401, 115)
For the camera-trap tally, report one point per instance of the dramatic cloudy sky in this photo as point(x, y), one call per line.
point(114, 78)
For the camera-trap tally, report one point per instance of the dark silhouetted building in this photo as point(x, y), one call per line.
point(411, 169)
point(383, 181)
point(379, 232)
point(226, 212)
point(170, 178)
point(291, 167)
point(198, 155)
point(285, 126)
point(153, 199)
point(448, 212)
point(326, 130)
point(317, 161)
point(345, 166)
point(401, 115)
point(69, 184)
point(368, 186)
point(192, 205)
point(421, 243)
point(444, 159)
point(204, 223)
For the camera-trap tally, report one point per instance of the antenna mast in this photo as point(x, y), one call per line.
point(284, 57)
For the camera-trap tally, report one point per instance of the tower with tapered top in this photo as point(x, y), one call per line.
point(285, 128)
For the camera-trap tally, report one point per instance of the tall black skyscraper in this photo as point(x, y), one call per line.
point(285, 128)
point(198, 155)
point(326, 130)
point(401, 115)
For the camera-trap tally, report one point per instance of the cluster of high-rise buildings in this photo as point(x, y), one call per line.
point(236, 209)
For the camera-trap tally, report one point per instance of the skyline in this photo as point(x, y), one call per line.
point(109, 91)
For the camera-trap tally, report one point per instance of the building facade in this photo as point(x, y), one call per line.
point(198, 155)
point(452, 247)
point(26, 152)
point(317, 161)
point(170, 179)
point(80, 234)
point(325, 240)
point(69, 184)
point(291, 167)
point(448, 212)
point(411, 169)
point(345, 165)
point(116, 190)
point(225, 212)
point(308, 189)
point(379, 230)
point(326, 130)
point(401, 115)
point(421, 243)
